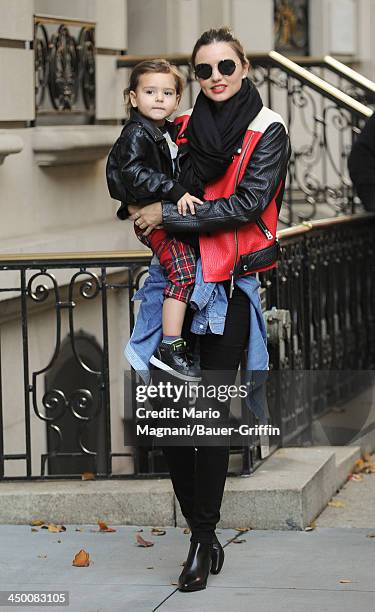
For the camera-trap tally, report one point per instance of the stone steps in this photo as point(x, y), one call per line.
point(287, 491)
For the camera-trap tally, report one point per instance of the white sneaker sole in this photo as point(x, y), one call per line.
point(163, 366)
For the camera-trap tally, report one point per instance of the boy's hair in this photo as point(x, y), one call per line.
point(223, 34)
point(155, 66)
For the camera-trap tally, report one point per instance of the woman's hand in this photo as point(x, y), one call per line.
point(148, 217)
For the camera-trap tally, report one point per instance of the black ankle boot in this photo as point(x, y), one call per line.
point(217, 556)
point(197, 567)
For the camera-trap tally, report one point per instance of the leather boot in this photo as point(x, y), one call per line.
point(217, 552)
point(197, 567)
point(217, 556)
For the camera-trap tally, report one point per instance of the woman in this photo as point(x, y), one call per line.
point(240, 150)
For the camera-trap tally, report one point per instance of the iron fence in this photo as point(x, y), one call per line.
point(320, 311)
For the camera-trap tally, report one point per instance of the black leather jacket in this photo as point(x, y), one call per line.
point(139, 166)
point(267, 167)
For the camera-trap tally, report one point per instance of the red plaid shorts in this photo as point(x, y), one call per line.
point(178, 259)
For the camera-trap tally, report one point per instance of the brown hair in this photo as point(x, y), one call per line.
point(155, 66)
point(223, 34)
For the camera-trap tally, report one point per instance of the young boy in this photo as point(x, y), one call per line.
point(140, 170)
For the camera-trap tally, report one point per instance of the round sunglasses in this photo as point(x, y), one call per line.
point(226, 67)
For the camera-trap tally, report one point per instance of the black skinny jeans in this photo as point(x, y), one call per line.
point(198, 474)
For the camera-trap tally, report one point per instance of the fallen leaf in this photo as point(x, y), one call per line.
point(151, 567)
point(81, 559)
point(364, 466)
point(88, 476)
point(42, 556)
point(174, 583)
point(33, 529)
point(104, 527)
point(37, 523)
point(157, 531)
point(237, 541)
point(358, 465)
point(356, 477)
point(366, 456)
point(186, 531)
point(345, 581)
point(142, 542)
point(77, 529)
point(242, 529)
point(313, 525)
point(370, 535)
point(336, 504)
point(55, 528)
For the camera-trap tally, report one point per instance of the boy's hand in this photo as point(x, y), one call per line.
point(187, 202)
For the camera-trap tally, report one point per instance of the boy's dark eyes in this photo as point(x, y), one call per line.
point(167, 92)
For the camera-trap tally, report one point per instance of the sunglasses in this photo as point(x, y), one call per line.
point(226, 67)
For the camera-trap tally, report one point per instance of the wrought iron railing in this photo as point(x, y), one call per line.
point(320, 307)
point(322, 331)
point(343, 76)
point(64, 69)
point(322, 122)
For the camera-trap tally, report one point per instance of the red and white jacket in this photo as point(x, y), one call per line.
point(238, 220)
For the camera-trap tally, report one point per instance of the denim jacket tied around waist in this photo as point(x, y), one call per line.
point(210, 303)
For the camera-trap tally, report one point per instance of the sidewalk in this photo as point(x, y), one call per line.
point(271, 570)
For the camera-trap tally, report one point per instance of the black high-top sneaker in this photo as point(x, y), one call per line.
point(173, 358)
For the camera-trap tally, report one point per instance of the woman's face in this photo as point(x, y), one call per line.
point(219, 87)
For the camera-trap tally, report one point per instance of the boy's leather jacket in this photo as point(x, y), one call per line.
point(238, 220)
point(139, 166)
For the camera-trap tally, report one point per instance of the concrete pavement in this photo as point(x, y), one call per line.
point(270, 570)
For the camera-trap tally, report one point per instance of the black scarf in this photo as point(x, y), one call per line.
point(214, 134)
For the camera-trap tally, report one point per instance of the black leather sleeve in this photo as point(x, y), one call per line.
point(139, 179)
point(266, 168)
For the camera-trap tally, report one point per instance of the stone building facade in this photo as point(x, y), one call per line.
point(53, 194)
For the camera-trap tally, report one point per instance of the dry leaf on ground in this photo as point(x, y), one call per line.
point(56, 528)
point(242, 529)
point(370, 535)
point(186, 531)
point(81, 559)
point(336, 504)
point(355, 477)
point(37, 523)
point(157, 531)
point(237, 541)
point(42, 556)
point(345, 581)
point(104, 527)
point(142, 542)
point(361, 465)
point(88, 476)
point(311, 527)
